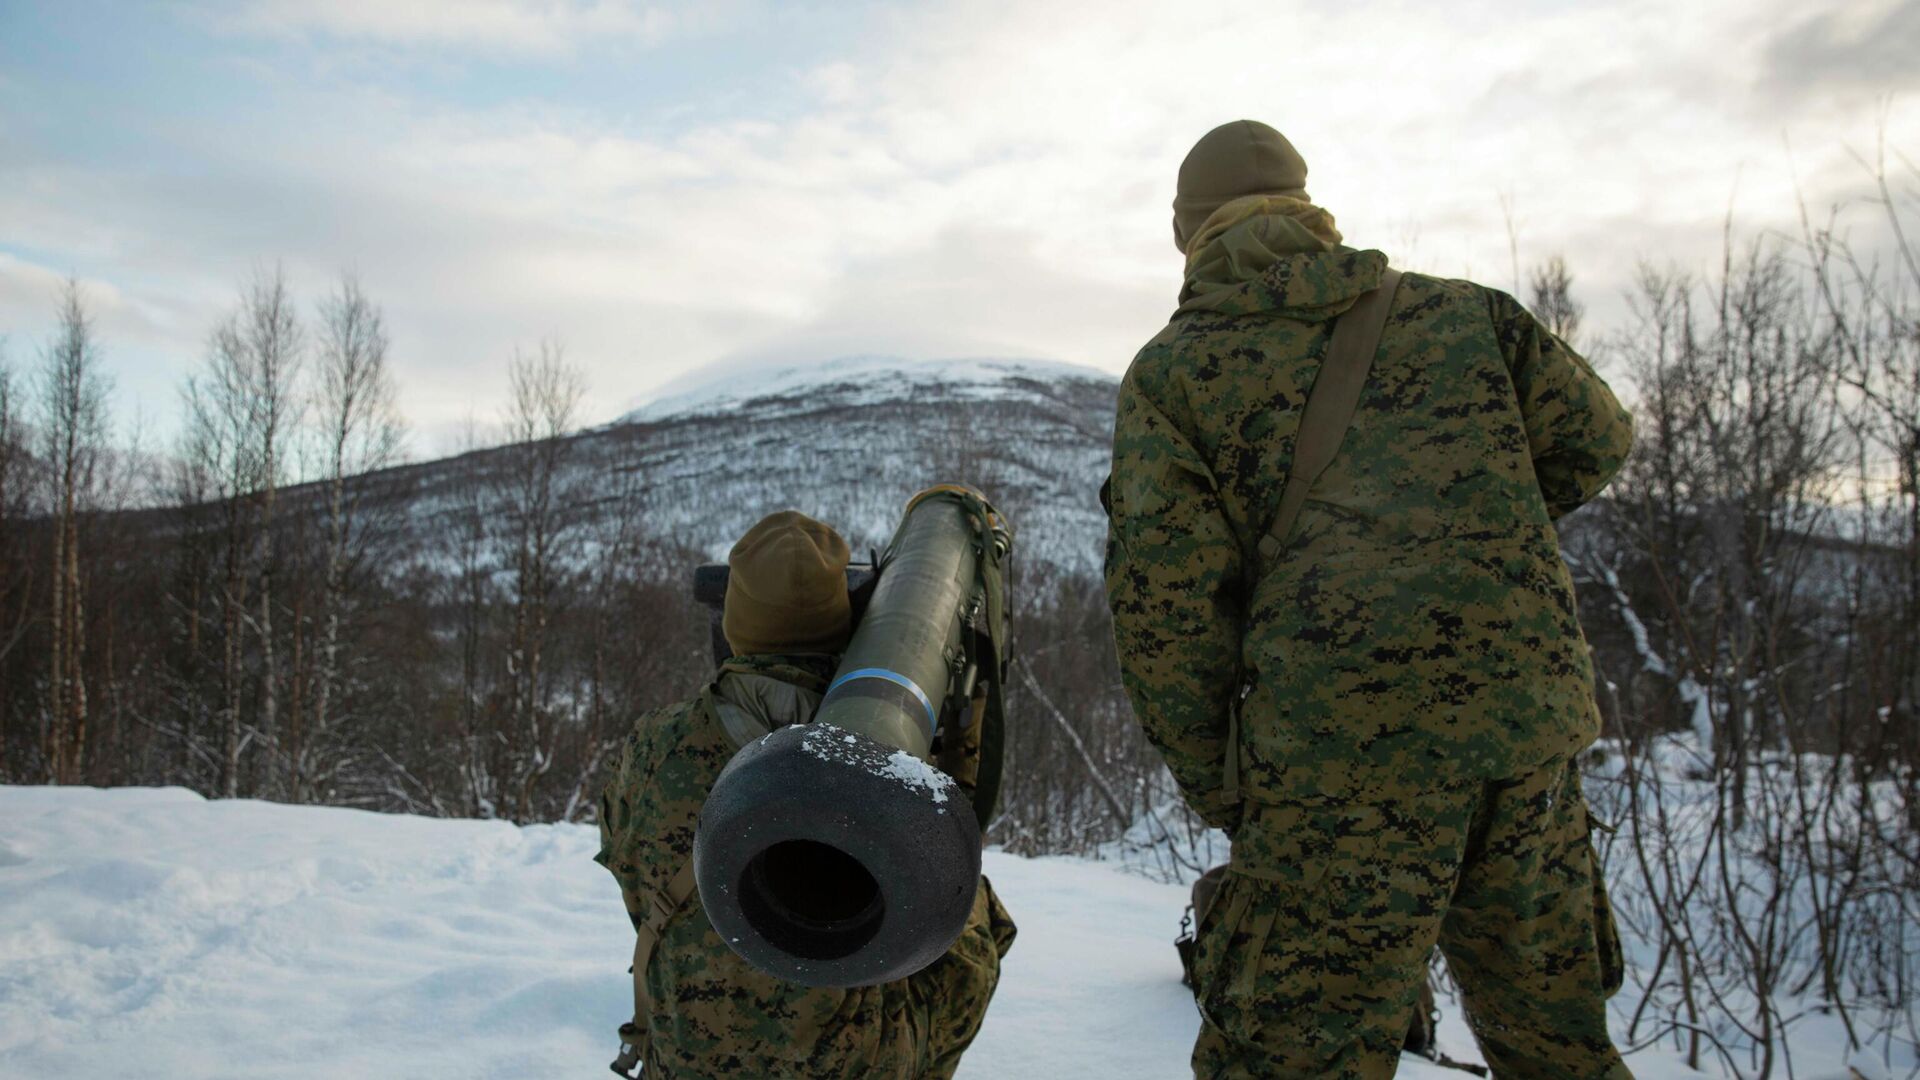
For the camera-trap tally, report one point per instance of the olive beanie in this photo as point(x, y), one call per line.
point(787, 588)
point(1244, 157)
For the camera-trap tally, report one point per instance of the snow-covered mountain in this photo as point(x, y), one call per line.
point(847, 441)
point(855, 379)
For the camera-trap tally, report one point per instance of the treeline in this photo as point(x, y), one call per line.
point(276, 606)
point(266, 609)
point(1752, 589)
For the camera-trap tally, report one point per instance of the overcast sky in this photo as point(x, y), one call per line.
point(667, 186)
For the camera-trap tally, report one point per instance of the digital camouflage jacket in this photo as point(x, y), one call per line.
point(714, 1015)
point(1420, 627)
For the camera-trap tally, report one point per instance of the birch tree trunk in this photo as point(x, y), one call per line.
point(362, 431)
point(73, 428)
point(546, 399)
point(274, 344)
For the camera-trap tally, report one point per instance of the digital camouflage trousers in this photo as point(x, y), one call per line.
point(1311, 957)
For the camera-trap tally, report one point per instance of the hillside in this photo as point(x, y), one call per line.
point(846, 441)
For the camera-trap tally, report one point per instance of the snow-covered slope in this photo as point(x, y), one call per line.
point(150, 932)
point(851, 380)
point(847, 441)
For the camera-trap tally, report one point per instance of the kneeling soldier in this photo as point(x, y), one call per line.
point(702, 1011)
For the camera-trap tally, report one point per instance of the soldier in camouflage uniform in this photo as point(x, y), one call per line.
point(1383, 717)
point(712, 1014)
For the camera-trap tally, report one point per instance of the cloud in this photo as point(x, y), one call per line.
point(954, 178)
point(970, 291)
point(124, 330)
point(1870, 46)
point(31, 293)
point(504, 26)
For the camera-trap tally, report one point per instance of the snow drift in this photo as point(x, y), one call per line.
point(150, 932)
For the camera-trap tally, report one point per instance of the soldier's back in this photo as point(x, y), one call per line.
point(1420, 626)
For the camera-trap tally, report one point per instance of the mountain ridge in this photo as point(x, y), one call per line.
point(710, 389)
point(846, 441)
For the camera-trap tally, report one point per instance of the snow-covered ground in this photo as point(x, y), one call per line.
point(150, 932)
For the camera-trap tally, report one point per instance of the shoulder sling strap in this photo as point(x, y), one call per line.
point(1330, 404)
point(660, 908)
point(1323, 427)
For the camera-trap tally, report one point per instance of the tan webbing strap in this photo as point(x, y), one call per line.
point(1230, 778)
point(660, 908)
point(1323, 427)
point(1330, 404)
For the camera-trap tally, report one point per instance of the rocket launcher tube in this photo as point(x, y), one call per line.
point(902, 655)
point(833, 853)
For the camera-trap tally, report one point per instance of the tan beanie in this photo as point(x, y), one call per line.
point(1245, 157)
point(787, 588)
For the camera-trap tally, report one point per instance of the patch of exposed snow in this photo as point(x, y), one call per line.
point(914, 773)
point(150, 932)
point(710, 391)
point(830, 743)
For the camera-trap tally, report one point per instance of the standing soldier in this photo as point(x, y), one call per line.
point(1353, 639)
point(700, 1010)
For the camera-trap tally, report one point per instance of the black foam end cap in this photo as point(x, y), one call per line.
point(826, 858)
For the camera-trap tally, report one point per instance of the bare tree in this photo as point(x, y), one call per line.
point(1513, 236)
point(73, 432)
point(540, 518)
point(617, 536)
point(1875, 313)
point(1550, 294)
point(221, 464)
point(193, 683)
point(1746, 631)
point(468, 537)
point(241, 411)
point(361, 430)
point(15, 568)
point(13, 482)
point(272, 338)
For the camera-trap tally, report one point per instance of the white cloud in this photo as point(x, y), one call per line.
point(507, 26)
point(967, 178)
